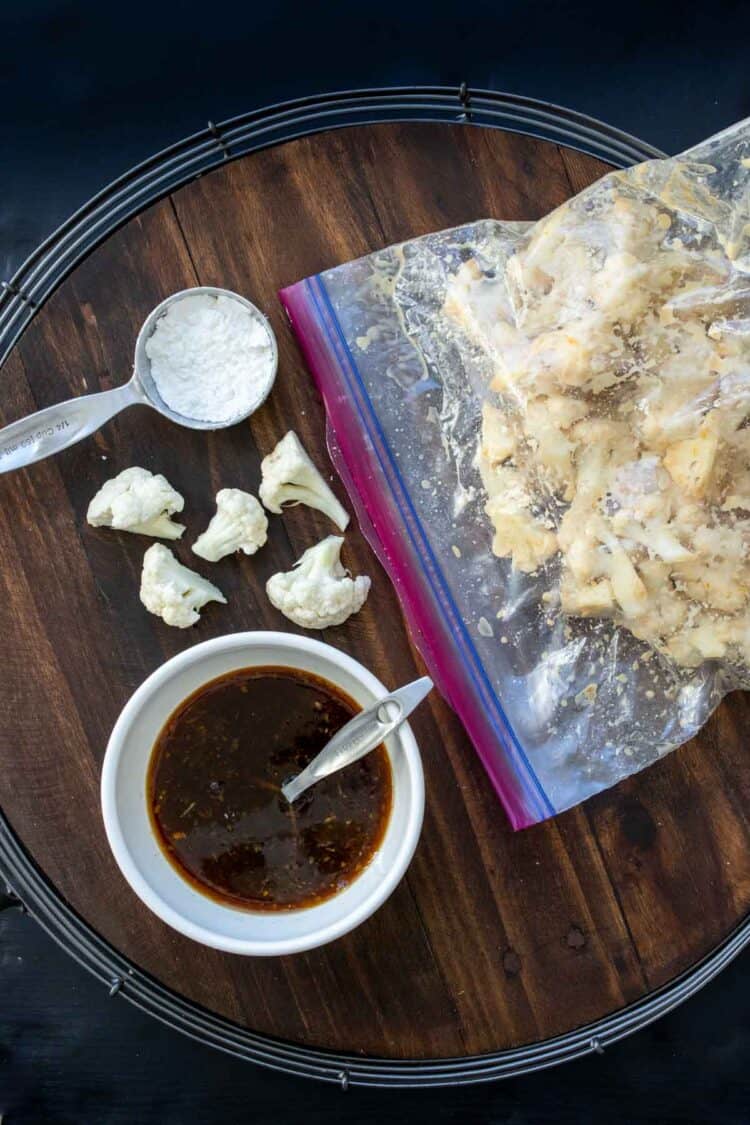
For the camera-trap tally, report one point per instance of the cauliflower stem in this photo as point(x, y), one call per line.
point(290, 477)
point(139, 502)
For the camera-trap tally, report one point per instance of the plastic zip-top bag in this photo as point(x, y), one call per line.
point(545, 430)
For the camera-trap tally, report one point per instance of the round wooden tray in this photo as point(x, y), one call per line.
point(496, 943)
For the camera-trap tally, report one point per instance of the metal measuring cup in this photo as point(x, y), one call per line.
point(48, 431)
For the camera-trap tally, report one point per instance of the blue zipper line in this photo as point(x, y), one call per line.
point(435, 576)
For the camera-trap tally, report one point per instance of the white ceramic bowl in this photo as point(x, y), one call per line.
point(156, 881)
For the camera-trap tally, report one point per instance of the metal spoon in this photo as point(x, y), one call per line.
point(361, 735)
point(48, 431)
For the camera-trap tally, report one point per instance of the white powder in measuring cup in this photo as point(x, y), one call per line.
point(211, 359)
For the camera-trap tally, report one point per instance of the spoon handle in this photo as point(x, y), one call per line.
point(48, 431)
point(359, 736)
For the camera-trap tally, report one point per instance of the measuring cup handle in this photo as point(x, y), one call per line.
point(48, 431)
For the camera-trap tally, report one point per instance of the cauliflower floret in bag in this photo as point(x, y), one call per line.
point(690, 462)
point(498, 439)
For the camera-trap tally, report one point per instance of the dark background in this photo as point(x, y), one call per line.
point(87, 90)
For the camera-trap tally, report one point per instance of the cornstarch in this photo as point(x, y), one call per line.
point(210, 358)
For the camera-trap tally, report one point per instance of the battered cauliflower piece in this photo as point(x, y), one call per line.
point(553, 447)
point(290, 477)
point(627, 587)
point(240, 524)
point(619, 287)
point(319, 591)
point(691, 461)
point(498, 439)
point(172, 591)
point(594, 600)
point(137, 501)
point(519, 536)
point(564, 355)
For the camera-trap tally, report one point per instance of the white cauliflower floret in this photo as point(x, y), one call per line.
point(172, 591)
point(595, 599)
point(240, 524)
point(289, 477)
point(137, 501)
point(319, 591)
point(519, 536)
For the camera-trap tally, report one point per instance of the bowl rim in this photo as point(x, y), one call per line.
point(116, 748)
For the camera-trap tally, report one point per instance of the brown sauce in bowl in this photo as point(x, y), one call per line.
point(214, 799)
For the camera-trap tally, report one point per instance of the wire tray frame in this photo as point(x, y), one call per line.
point(27, 888)
point(23, 293)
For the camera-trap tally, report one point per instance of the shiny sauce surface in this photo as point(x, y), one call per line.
point(214, 797)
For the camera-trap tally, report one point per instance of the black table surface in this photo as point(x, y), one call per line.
point(87, 91)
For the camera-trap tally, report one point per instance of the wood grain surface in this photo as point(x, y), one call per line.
point(493, 939)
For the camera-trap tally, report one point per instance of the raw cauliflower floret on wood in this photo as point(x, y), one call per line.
point(240, 524)
point(290, 477)
point(319, 591)
point(172, 591)
point(137, 501)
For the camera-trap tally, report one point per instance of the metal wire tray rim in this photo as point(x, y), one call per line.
point(154, 177)
point(122, 977)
